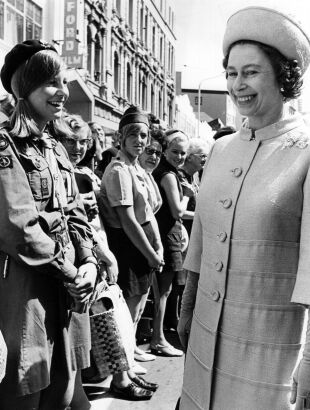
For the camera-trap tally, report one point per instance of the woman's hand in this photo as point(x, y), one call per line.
point(112, 271)
point(184, 327)
point(90, 205)
point(84, 282)
point(188, 190)
point(156, 262)
point(300, 390)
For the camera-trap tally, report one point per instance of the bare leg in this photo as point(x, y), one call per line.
point(164, 281)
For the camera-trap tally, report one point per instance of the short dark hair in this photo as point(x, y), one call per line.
point(288, 73)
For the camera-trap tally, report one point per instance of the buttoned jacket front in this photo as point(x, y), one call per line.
point(250, 245)
point(36, 262)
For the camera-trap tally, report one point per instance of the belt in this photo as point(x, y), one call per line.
point(62, 237)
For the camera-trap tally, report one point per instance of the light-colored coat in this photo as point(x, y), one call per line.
point(251, 245)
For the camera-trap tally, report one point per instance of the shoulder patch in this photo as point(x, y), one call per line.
point(6, 161)
point(4, 143)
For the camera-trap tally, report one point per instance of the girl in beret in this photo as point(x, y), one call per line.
point(48, 267)
point(248, 288)
point(131, 228)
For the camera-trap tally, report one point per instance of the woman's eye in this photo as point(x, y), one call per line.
point(249, 73)
point(231, 74)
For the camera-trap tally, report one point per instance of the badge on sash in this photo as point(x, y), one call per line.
point(44, 186)
point(6, 161)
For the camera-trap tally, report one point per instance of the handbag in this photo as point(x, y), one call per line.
point(3, 356)
point(112, 332)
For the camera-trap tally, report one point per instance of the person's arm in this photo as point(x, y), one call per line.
point(300, 391)
point(136, 234)
point(187, 307)
point(170, 186)
point(158, 246)
point(21, 233)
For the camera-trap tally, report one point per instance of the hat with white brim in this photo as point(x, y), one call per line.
point(270, 27)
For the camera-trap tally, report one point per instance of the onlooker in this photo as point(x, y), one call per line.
point(221, 132)
point(48, 266)
point(107, 156)
point(130, 223)
point(98, 136)
point(169, 219)
point(247, 289)
point(195, 160)
point(7, 104)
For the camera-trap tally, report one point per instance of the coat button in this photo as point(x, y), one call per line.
point(226, 203)
point(237, 172)
point(222, 236)
point(215, 295)
point(219, 266)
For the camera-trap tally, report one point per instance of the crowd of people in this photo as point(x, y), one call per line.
point(217, 237)
point(75, 210)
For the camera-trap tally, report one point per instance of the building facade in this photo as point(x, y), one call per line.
point(120, 52)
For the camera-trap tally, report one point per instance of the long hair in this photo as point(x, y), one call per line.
point(36, 71)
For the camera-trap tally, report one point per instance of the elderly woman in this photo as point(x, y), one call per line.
point(248, 289)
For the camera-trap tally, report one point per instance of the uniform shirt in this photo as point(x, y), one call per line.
point(123, 184)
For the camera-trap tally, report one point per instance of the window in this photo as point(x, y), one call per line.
point(145, 28)
point(14, 29)
point(196, 100)
point(153, 39)
point(141, 23)
point(118, 6)
point(128, 82)
point(89, 50)
point(1, 20)
point(152, 99)
point(98, 59)
point(116, 73)
point(20, 20)
point(130, 13)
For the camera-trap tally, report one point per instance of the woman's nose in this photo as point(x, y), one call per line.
point(239, 82)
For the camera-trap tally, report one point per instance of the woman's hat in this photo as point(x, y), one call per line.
point(17, 56)
point(270, 27)
point(132, 115)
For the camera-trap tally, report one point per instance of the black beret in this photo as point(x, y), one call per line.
point(132, 115)
point(17, 56)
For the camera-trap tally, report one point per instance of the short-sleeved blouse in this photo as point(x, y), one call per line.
point(123, 184)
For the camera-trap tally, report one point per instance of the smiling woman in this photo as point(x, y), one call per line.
point(46, 244)
point(247, 289)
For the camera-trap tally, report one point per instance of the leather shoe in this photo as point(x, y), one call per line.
point(144, 384)
point(131, 392)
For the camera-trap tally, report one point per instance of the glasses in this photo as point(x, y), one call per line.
point(201, 156)
point(152, 151)
point(72, 142)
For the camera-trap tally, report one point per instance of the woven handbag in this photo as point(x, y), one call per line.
point(3, 356)
point(110, 346)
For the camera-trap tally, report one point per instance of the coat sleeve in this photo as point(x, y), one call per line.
point(194, 252)
point(21, 235)
point(301, 292)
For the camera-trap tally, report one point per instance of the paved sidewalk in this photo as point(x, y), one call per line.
point(166, 371)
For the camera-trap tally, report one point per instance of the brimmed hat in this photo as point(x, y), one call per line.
point(270, 27)
point(17, 56)
point(132, 115)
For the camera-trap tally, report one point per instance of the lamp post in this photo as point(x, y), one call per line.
point(199, 105)
point(199, 97)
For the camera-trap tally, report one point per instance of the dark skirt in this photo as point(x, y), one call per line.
point(135, 275)
point(172, 243)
